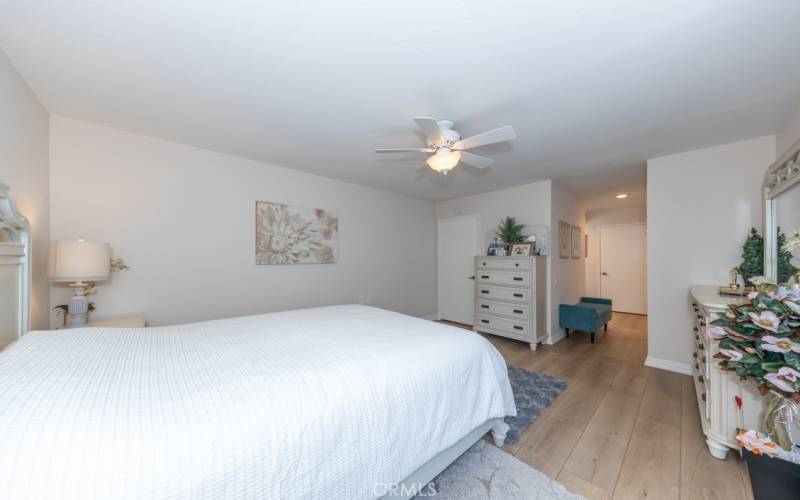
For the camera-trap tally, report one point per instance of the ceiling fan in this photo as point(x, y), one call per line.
point(449, 148)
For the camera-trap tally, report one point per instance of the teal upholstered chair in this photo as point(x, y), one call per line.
point(588, 315)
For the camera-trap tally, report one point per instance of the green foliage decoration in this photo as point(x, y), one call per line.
point(509, 231)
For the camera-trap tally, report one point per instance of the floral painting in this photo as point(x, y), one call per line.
point(295, 235)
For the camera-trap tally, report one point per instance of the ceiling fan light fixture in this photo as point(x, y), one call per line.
point(621, 196)
point(444, 161)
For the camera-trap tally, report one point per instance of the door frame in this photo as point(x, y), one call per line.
point(600, 257)
point(439, 221)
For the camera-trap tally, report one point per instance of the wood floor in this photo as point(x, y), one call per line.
point(621, 430)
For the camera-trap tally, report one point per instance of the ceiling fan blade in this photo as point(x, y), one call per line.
point(497, 135)
point(475, 160)
point(430, 127)
point(406, 150)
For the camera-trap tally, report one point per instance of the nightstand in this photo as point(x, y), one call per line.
point(129, 322)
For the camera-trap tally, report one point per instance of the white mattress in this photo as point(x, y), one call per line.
point(318, 403)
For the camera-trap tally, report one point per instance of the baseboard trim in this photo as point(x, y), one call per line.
point(556, 337)
point(666, 364)
point(431, 317)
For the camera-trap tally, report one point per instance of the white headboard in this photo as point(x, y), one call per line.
point(15, 270)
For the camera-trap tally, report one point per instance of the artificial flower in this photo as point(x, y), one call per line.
point(717, 332)
point(767, 320)
point(752, 295)
point(733, 355)
point(775, 344)
point(792, 240)
point(758, 445)
point(794, 306)
point(778, 382)
point(789, 373)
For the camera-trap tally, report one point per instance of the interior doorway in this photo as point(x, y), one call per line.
point(458, 244)
point(623, 266)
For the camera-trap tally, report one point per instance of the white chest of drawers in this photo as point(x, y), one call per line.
point(510, 297)
point(717, 389)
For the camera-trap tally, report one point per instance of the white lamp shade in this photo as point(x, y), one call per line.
point(444, 161)
point(78, 260)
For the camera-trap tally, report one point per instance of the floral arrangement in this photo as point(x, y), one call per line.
point(760, 340)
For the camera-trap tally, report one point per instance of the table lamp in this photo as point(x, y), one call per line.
point(77, 262)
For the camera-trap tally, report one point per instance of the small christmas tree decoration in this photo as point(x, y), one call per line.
point(752, 257)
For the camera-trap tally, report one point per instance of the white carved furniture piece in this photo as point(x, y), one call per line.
point(510, 298)
point(715, 388)
point(15, 270)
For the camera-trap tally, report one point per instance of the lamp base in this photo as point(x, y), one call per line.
point(78, 306)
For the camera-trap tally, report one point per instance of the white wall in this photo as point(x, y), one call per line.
point(529, 204)
point(788, 134)
point(24, 168)
point(700, 207)
point(567, 276)
point(595, 219)
point(183, 219)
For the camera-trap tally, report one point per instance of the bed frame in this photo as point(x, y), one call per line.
point(418, 479)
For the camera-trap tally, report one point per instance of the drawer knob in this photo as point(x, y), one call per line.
point(702, 347)
point(517, 295)
point(484, 306)
point(696, 329)
point(485, 277)
point(484, 321)
point(694, 354)
point(517, 278)
point(484, 291)
point(700, 378)
point(516, 264)
point(703, 396)
point(518, 327)
point(518, 311)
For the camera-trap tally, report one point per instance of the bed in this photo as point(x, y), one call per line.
point(342, 402)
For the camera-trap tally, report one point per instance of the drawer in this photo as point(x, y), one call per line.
point(504, 325)
point(509, 294)
point(502, 309)
point(503, 278)
point(509, 264)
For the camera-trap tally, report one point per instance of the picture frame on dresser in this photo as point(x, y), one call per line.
point(521, 249)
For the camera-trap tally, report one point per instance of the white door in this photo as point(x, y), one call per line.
point(623, 267)
point(457, 247)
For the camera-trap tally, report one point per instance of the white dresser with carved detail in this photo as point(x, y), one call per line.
point(510, 297)
point(717, 389)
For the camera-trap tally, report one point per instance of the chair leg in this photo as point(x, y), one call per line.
point(567, 331)
point(592, 337)
point(605, 327)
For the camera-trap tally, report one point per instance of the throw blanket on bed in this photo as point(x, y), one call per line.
point(319, 403)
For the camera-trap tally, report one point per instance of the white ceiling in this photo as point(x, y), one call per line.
point(588, 86)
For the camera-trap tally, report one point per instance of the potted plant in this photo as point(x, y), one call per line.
point(509, 231)
point(760, 342)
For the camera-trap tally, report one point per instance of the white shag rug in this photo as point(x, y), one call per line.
point(486, 472)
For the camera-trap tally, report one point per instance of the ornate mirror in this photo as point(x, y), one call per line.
point(15, 270)
point(782, 217)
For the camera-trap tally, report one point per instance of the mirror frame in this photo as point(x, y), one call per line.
point(15, 250)
point(781, 176)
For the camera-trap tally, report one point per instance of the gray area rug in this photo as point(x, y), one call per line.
point(533, 392)
point(486, 472)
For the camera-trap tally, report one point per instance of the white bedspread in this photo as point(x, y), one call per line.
point(316, 404)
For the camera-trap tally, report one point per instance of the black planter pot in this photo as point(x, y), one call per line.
point(773, 478)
